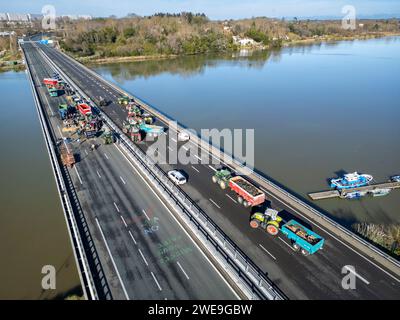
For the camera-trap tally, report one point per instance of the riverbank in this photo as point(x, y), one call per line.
point(96, 60)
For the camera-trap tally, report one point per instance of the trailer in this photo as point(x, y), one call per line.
point(84, 109)
point(247, 193)
point(302, 239)
point(67, 157)
point(53, 92)
point(151, 130)
point(50, 81)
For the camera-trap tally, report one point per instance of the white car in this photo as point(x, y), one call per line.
point(177, 177)
point(183, 136)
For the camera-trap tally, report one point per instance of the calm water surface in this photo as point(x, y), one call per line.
point(317, 111)
point(33, 231)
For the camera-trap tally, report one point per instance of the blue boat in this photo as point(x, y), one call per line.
point(351, 180)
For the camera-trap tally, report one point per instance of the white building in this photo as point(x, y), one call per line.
point(243, 42)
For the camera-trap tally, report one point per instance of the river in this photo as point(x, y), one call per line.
point(317, 110)
point(33, 231)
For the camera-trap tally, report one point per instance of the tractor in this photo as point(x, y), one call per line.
point(269, 221)
point(222, 177)
point(108, 137)
point(124, 100)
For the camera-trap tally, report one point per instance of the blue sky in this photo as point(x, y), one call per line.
point(215, 9)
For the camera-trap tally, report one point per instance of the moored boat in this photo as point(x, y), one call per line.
point(351, 180)
point(380, 192)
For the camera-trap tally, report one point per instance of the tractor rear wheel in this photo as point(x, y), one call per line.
point(272, 230)
point(214, 179)
point(254, 223)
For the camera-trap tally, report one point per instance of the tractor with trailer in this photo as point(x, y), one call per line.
point(247, 193)
point(302, 238)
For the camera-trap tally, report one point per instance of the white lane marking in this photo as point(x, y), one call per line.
point(334, 237)
point(195, 169)
point(98, 174)
point(77, 173)
point(286, 243)
point(187, 277)
point(116, 207)
point(86, 152)
point(262, 247)
point(123, 181)
point(113, 262)
point(357, 275)
point(214, 203)
point(179, 223)
point(230, 198)
point(123, 220)
point(212, 168)
point(185, 148)
point(144, 259)
point(155, 280)
point(196, 156)
point(132, 237)
point(174, 140)
point(169, 148)
point(146, 215)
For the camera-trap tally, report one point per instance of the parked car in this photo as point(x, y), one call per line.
point(177, 177)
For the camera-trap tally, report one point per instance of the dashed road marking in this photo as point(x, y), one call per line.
point(179, 265)
point(144, 259)
point(230, 198)
point(195, 169)
point(155, 280)
point(262, 247)
point(214, 203)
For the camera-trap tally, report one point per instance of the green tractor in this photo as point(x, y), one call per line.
point(222, 177)
point(108, 137)
point(269, 221)
point(124, 100)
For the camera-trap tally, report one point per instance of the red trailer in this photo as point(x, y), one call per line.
point(84, 109)
point(50, 81)
point(248, 194)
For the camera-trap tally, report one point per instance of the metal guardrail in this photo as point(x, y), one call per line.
point(248, 272)
point(79, 254)
point(217, 151)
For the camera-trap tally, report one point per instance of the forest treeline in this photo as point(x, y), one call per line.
point(189, 33)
